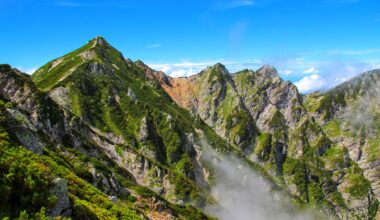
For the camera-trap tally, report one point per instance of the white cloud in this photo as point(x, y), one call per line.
point(336, 72)
point(235, 66)
point(311, 70)
point(308, 74)
point(310, 83)
point(296, 64)
point(27, 70)
point(183, 69)
point(153, 46)
point(332, 71)
point(286, 72)
point(176, 71)
point(188, 68)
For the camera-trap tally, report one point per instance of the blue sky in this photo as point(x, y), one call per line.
point(314, 43)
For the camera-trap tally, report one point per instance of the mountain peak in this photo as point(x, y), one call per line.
point(98, 56)
point(99, 41)
point(219, 67)
point(268, 71)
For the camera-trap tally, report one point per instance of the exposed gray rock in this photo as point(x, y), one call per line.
point(113, 198)
point(88, 55)
point(115, 96)
point(131, 94)
point(25, 131)
point(61, 96)
point(96, 68)
point(60, 190)
point(99, 41)
point(19, 88)
point(144, 130)
point(267, 72)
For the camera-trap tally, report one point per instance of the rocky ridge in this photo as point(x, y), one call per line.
point(264, 117)
point(45, 127)
point(134, 136)
point(349, 115)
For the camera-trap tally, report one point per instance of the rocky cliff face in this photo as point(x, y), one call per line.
point(117, 135)
point(349, 115)
point(34, 112)
point(265, 118)
point(130, 119)
point(51, 123)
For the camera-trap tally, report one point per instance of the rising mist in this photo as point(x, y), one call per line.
point(242, 194)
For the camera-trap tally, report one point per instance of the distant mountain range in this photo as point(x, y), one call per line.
point(92, 135)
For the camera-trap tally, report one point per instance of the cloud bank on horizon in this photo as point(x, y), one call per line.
point(308, 76)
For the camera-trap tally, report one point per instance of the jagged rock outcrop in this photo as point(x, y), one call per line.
point(39, 121)
point(34, 111)
point(264, 116)
point(107, 99)
point(129, 135)
point(348, 115)
point(212, 95)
